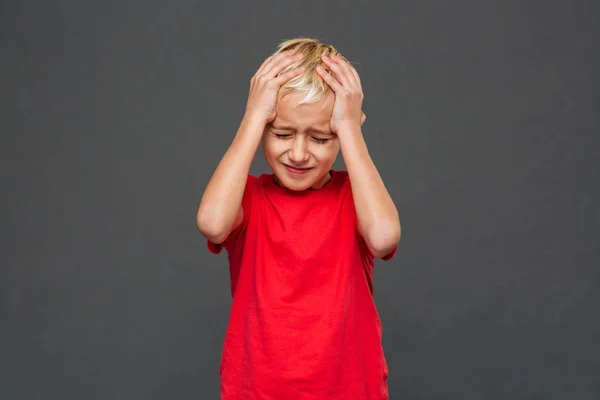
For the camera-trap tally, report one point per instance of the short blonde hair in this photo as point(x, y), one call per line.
point(309, 82)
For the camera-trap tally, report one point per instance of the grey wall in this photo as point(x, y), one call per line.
point(483, 117)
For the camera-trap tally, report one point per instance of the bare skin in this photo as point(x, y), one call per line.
point(301, 137)
point(220, 210)
point(378, 219)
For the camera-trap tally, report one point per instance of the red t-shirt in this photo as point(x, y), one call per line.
point(303, 323)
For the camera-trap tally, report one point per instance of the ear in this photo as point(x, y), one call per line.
point(363, 118)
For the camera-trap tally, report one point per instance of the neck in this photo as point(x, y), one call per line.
point(317, 185)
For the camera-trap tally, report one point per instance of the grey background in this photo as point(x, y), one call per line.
point(482, 118)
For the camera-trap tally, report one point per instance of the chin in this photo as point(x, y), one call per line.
point(299, 183)
point(293, 184)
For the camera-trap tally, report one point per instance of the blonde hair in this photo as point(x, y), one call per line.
point(309, 82)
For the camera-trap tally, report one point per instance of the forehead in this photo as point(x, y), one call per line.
point(304, 116)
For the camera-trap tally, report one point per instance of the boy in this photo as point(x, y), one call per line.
point(301, 241)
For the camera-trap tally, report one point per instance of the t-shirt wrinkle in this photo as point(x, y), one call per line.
point(303, 322)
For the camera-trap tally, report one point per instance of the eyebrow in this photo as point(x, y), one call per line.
point(282, 127)
point(324, 133)
point(314, 130)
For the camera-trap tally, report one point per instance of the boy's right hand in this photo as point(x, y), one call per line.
point(265, 84)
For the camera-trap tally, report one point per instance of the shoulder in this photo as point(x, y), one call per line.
point(250, 190)
point(251, 180)
point(340, 183)
point(341, 177)
point(252, 183)
point(257, 186)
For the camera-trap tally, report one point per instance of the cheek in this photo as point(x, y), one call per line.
point(326, 152)
point(272, 148)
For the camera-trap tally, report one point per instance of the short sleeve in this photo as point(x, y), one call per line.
point(238, 234)
point(390, 255)
point(366, 252)
point(367, 256)
point(214, 248)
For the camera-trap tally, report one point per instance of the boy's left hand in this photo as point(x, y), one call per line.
point(347, 109)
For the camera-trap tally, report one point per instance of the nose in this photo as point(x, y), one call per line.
point(298, 153)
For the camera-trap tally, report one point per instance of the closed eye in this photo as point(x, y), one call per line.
point(289, 135)
point(282, 135)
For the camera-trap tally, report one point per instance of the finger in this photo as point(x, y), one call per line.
point(363, 118)
point(342, 75)
point(333, 83)
point(355, 72)
point(269, 61)
point(349, 69)
point(280, 64)
point(262, 67)
point(286, 76)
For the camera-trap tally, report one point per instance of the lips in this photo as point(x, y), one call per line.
point(296, 170)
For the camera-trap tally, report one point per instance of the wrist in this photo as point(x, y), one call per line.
point(345, 128)
point(254, 123)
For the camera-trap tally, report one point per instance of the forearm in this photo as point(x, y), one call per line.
point(378, 219)
point(220, 207)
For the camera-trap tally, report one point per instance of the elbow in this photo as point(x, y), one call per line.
point(383, 238)
point(211, 228)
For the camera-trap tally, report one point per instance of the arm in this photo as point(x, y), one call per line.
point(220, 210)
point(378, 219)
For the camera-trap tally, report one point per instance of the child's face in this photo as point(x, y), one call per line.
point(299, 145)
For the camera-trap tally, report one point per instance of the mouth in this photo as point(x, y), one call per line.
point(296, 170)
